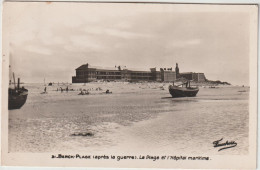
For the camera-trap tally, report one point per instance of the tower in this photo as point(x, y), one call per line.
point(177, 71)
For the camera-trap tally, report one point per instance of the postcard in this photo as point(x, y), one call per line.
point(129, 85)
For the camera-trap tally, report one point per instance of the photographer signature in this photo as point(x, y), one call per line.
point(227, 144)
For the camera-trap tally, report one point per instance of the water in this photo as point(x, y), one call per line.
point(135, 118)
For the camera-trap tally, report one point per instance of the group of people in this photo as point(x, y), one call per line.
point(87, 92)
point(61, 89)
point(82, 92)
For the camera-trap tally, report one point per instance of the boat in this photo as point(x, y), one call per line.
point(16, 96)
point(187, 91)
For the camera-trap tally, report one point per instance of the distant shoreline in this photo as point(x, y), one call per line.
point(206, 83)
point(212, 83)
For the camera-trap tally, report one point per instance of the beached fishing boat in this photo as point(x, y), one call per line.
point(186, 91)
point(16, 96)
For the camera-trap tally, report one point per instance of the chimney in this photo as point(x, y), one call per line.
point(18, 85)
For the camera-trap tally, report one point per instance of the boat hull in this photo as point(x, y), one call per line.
point(182, 91)
point(16, 99)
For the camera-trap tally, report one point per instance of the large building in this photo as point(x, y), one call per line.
point(86, 73)
point(198, 77)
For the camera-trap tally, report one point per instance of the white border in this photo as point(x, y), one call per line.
point(161, 1)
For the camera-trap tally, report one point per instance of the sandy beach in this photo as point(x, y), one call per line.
point(135, 118)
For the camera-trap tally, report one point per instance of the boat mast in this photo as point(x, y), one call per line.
point(10, 75)
point(14, 80)
point(18, 84)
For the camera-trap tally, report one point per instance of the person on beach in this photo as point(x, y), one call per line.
point(45, 89)
point(67, 89)
point(107, 91)
point(81, 93)
point(61, 89)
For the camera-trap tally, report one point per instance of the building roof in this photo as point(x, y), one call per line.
point(168, 71)
point(86, 66)
point(138, 69)
point(82, 67)
point(191, 73)
point(186, 73)
point(104, 68)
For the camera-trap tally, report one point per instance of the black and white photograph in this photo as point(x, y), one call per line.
point(130, 85)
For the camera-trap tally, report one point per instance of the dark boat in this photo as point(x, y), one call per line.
point(16, 96)
point(187, 91)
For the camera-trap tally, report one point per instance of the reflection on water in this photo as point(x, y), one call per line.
point(135, 118)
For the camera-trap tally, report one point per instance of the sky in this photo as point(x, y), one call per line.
point(50, 40)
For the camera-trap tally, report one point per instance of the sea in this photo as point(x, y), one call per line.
point(134, 118)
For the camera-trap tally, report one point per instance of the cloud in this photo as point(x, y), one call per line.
point(116, 32)
point(194, 42)
point(125, 34)
point(123, 24)
point(151, 34)
point(184, 43)
point(38, 49)
point(79, 42)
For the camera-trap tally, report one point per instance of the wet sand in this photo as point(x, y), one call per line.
point(135, 118)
